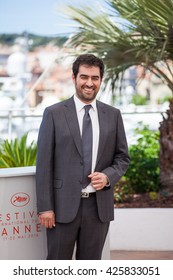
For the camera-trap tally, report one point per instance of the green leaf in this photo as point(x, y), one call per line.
point(17, 153)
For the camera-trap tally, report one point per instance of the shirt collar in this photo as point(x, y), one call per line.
point(79, 104)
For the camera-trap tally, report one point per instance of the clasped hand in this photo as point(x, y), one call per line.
point(98, 180)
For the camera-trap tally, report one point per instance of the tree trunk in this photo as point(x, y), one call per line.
point(166, 149)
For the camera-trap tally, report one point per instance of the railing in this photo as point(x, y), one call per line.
point(15, 122)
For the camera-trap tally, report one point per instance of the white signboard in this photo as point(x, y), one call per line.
point(21, 236)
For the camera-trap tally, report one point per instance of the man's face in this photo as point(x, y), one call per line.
point(87, 83)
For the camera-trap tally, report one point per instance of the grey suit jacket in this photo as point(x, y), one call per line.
point(59, 160)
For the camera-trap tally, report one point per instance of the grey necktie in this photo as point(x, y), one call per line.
point(87, 145)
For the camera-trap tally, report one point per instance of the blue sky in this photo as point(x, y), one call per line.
point(39, 16)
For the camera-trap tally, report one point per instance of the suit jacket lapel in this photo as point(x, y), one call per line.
point(71, 117)
point(103, 124)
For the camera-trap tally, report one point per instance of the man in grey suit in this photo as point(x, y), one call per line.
point(82, 153)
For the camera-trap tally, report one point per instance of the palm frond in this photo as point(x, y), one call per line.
point(143, 35)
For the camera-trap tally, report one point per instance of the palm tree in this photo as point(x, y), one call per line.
point(132, 33)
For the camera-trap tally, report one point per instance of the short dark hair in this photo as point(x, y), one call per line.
point(90, 60)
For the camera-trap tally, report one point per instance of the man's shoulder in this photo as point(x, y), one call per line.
point(58, 105)
point(107, 107)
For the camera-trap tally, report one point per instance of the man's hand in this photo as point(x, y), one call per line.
point(47, 219)
point(98, 180)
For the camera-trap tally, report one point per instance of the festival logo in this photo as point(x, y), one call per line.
point(20, 199)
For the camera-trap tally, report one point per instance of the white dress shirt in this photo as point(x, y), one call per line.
point(95, 127)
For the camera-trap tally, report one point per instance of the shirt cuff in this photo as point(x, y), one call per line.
point(45, 211)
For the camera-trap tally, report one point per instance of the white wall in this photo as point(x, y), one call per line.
point(142, 229)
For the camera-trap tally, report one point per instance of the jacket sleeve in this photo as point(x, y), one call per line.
point(44, 165)
point(121, 158)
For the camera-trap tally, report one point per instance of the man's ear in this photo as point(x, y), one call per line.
point(73, 77)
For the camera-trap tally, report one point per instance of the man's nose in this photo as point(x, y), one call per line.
point(89, 82)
